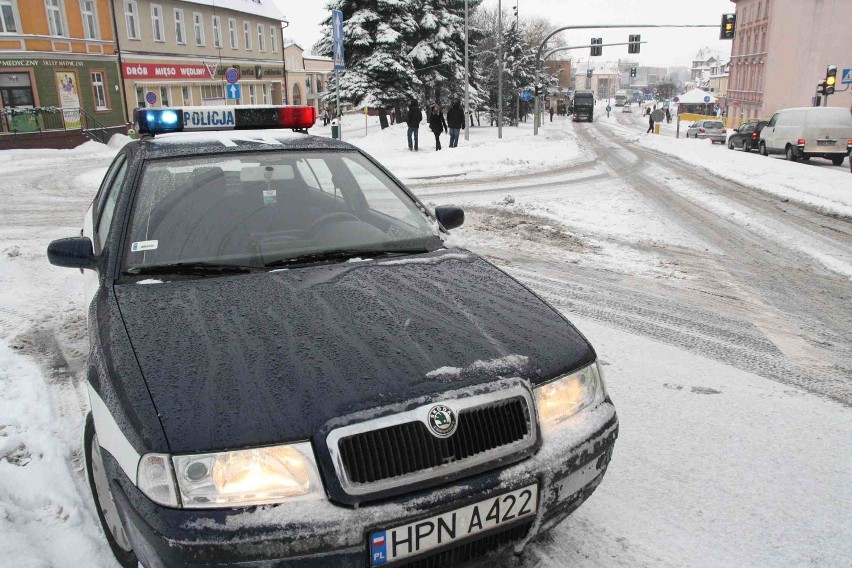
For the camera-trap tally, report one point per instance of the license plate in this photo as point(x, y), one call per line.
point(394, 544)
point(826, 142)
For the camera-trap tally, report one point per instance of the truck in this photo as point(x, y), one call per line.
point(620, 98)
point(584, 106)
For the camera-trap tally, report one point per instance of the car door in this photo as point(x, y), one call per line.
point(768, 133)
point(99, 217)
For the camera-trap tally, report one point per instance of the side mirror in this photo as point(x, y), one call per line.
point(75, 252)
point(449, 216)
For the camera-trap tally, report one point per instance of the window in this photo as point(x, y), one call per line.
point(198, 24)
point(267, 94)
point(131, 17)
point(252, 94)
point(88, 11)
point(297, 94)
point(157, 22)
point(247, 34)
point(164, 97)
point(186, 95)
point(759, 8)
point(212, 94)
point(217, 32)
point(113, 188)
point(140, 97)
point(273, 45)
point(54, 17)
point(99, 91)
point(319, 84)
point(8, 21)
point(180, 32)
point(309, 84)
point(261, 38)
point(232, 33)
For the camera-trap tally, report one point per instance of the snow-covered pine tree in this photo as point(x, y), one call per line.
point(518, 71)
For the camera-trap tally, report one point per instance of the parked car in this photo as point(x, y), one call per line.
point(257, 398)
point(713, 129)
point(747, 136)
point(808, 132)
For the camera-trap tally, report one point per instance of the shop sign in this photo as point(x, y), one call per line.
point(44, 62)
point(167, 71)
point(273, 72)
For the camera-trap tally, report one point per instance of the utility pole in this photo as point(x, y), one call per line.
point(466, 78)
point(517, 94)
point(500, 69)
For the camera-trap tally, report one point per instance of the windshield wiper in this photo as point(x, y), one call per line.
point(341, 255)
point(189, 268)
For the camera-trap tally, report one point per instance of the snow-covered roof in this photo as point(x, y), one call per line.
point(291, 44)
point(316, 57)
point(696, 96)
point(262, 8)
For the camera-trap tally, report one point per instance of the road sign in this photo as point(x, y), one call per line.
point(707, 99)
point(526, 95)
point(666, 104)
point(648, 96)
point(151, 97)
point(232, 75)
point(337, 39)
point(676, 99)
point(658, 115)
point(234, 92)
point(716, 108)
point(846, 78)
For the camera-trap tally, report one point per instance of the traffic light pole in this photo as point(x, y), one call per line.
point(538, 58)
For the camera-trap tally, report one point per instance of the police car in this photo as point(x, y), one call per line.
point(289, 367)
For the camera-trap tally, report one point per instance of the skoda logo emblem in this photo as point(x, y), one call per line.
point(442, 421)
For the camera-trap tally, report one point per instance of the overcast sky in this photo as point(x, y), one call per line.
point(665, 47)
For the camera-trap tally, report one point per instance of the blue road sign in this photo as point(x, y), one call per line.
point(337, 39)
point(232, 75)
point(716, 108)
point(234, 92)
point(151, 97)
point(526, 95)
point(707, 99)
point(846, 77)
point(648, 96)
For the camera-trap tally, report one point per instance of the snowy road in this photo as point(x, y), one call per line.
point(721, 314)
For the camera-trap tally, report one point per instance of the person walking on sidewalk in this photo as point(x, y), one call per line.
point(668, 116)
point(551, 113)
point(455, 120)
point(413, 120)
point(650, 123)
point(437, 124)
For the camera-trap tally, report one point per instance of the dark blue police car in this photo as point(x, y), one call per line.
point(289, 368)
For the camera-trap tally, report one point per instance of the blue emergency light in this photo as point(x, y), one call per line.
point(187, 119)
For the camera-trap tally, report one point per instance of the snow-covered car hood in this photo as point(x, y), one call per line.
point(270, 357)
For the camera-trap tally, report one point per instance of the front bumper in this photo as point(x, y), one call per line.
point(567, 468)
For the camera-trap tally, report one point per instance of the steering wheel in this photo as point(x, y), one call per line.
point(328, 218)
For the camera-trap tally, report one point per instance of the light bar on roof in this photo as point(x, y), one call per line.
point(188, 119)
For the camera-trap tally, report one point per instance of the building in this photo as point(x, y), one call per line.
point(703, 65)
point(177, 52)
point(561, 70)
point(604, 80)
point(781, 51)
point(306, 80)
point(57, 54)
point(717, 82)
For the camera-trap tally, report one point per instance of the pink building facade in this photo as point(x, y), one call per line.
point(781, 51)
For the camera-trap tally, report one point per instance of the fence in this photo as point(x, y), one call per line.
point(52, 119)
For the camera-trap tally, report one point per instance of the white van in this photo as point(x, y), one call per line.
point(823, 132)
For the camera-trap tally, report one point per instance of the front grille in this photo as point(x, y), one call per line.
point(472, 550)
point(407, 448)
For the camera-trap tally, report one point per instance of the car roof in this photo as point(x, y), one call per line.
point(181, 144)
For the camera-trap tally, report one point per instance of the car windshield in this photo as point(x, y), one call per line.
point(261, 209)
point(712, 124)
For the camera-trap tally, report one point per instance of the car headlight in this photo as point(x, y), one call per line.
point(256, 476)
point(563, 397)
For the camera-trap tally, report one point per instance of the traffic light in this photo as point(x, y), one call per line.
point(597, 51)
point(538, 90)
point(729, 26)
point(830, 80)
point(632, 71)
point(820, 88)
point(588, 73)
point(634, 44)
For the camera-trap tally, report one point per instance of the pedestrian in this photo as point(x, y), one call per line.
point(650, 123)
point(413, 120)
point(455, 121)
point(668, 116)
point(551, 113)
point(392, 116)
point(326, 116)
point(437, 124)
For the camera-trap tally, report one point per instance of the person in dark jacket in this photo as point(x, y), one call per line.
point(650, 123)
point(437, 124)
point(455, 121)
point(413, 120)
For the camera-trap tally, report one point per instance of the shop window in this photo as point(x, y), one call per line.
point(217, 32)
point(186, 95)
point(8, 19)
point(131, 17)
point(252, 94)
point(99, 91)
point(157, 22)
point(55, 20)
point(140, 98)
point(16, 90)
point(247, 34)
point(198, 24)
point(180, 31)
point(88, 10)
point(212, 94)
point(232, 33)
point(261, 38)
point(273, 44)
point(267, 94)
point(165, 99)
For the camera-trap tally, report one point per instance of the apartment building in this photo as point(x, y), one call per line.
point(58, 53)
point(176, 52)
point(781, 51)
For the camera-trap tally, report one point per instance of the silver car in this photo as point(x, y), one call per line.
point(713, 129)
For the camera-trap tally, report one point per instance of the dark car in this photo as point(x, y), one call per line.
point(288, 367)
point(747, 136)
